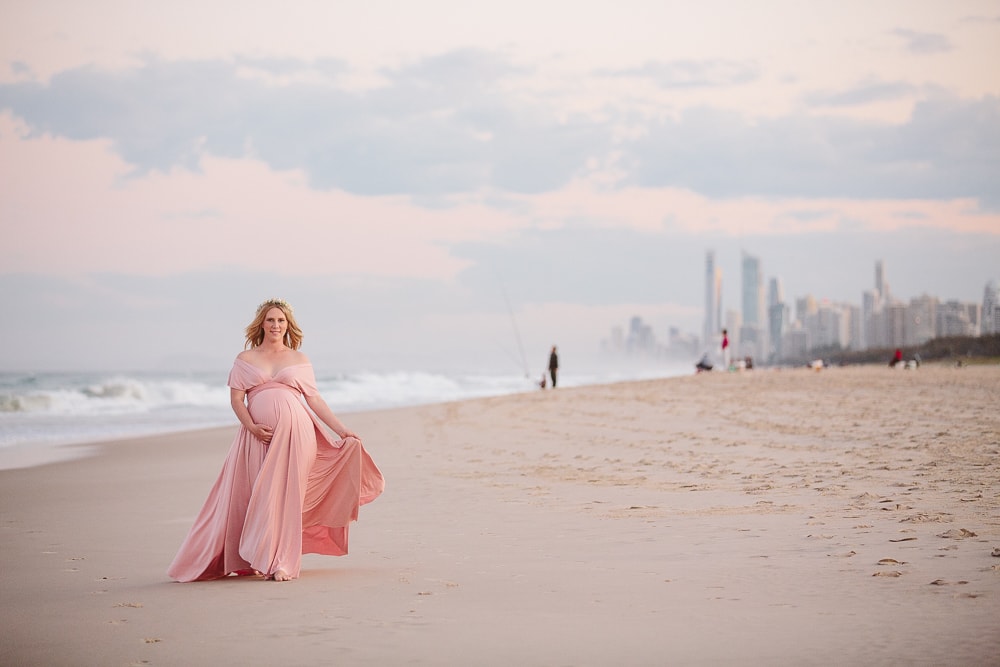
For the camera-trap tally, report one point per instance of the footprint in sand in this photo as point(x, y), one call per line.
point(957, 534)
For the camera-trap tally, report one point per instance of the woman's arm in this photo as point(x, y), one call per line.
point(323, 411)
point(237, 398)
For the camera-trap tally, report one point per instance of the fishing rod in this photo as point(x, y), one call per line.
point(517, 334)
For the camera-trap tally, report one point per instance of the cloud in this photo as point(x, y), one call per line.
point(293, 68)
point(924, 43)
point(949, 148)
point(20, 68)
point(466, 122)
point(463, 69)
point(864, 92)
point(438, 127)
point(681, 74)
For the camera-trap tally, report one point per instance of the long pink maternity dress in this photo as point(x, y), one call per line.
point(273, 503)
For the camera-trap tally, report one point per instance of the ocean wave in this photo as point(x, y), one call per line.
point(81, 395)
point(72, 408)
point(377, 390)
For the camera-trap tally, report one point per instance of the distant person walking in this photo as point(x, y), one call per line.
point(725, 350)
point(553, 365)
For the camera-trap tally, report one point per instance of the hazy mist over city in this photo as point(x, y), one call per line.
point(434, 198)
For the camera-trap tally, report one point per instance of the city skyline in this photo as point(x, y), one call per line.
point(823, 280)
point(879, 319)
point(836, 323)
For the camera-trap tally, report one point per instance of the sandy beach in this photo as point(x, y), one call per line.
point(792, 517)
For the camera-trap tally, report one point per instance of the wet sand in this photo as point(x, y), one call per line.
point(793, 517)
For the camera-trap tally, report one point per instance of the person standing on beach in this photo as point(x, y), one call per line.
point(553, 365)
point(287, 486)
point(725, 350)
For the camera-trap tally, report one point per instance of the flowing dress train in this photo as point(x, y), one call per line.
point(272, 503)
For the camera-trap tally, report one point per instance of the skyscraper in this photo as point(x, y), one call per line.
point(753, 292)
point(875, 325)
point(777, 316)
point(880, 283)
point(870, 312)
point(713, 300)
point(753, 333)
point(991, 308)
point(775, 292)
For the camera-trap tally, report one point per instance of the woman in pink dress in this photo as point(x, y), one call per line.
point(287, 486)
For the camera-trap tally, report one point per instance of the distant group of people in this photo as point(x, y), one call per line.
point(897, 359)
point(705, 363)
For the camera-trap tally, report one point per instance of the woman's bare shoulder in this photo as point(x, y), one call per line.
point(300, 357)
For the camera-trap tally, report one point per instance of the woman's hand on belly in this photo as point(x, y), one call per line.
point(262, 432)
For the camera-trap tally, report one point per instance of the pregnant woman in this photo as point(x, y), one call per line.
point(287, 486)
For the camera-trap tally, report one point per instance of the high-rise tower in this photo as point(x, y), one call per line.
point(753, 292)
point(777, 316)
point(753, 332)
point(874, 312)
point(880, 283)
point(713, 299)
point(991, 308)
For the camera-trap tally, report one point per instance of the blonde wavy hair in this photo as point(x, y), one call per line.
point(255, 331)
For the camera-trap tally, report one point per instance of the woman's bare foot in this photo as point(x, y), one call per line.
point(281, 575)
point(248, 572)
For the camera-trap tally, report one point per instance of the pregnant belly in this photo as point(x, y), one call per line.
point(270, 406)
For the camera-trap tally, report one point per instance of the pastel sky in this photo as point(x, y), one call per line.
point(428, 181)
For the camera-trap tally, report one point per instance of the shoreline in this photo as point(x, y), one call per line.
point(30, 455)
point(727, 518)
point(42, 452)
point(34, 437)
